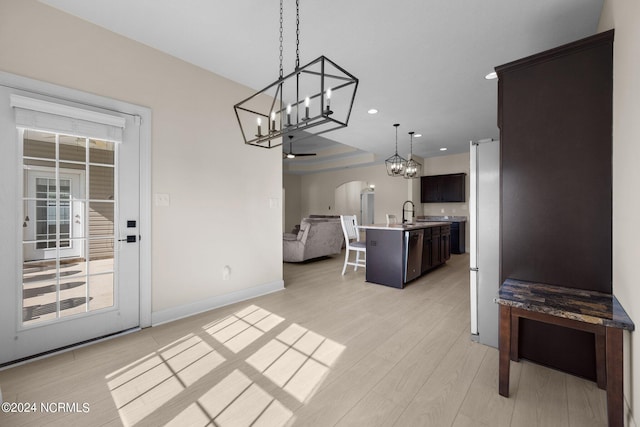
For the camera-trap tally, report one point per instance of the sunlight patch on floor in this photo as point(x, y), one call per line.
point(234, 401)
point(297, 360)
point(244, 327)
point(145, 385)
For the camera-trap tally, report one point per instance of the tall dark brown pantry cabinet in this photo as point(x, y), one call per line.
point(555, 119)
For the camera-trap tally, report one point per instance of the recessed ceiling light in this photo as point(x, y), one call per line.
point(372, 111)
point(491, 76)
point(418, 135)
point(443, 149)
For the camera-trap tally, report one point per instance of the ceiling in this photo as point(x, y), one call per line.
point(421, 63)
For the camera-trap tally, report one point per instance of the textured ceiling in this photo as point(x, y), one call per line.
point(421, 63)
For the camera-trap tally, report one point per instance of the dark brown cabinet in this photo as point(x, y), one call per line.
point(445, 243)
point(427, 249)
point(436, 244)
point(555, 119)
point(458, 232)
point(436, 248)
point(442, 188)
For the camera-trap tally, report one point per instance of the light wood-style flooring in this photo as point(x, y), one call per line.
point(330, 350)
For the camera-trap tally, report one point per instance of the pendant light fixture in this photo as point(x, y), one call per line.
point(313, 99)
point(396, 165)
point(413, 168)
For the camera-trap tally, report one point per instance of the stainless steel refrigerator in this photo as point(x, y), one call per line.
point(484, 213)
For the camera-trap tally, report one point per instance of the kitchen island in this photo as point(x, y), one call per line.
point(400, 253)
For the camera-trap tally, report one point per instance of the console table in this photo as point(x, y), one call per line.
point(585, 310)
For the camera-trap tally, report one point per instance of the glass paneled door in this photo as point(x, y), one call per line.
point(72, 273)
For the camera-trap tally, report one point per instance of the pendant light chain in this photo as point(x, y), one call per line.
point(281, 38)
point(396, 138)
point(297, 34)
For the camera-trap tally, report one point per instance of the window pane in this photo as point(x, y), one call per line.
point(65, 189)
point(101, 183)
point(101, 253)
point(39, 301)
point(39, 278)
point(73, 296)
point(50, 164)
point(101, 290)
point(41, 145)
point(73, 268)
point(73, 148)
point(101, 219)
point(101, 152)
point(72, 177)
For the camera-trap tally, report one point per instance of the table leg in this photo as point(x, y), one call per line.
point(515, 330)
point(601, 358)
point(504, 344)
point(615, 390)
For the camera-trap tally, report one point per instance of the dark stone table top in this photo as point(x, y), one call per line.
point(577, 304)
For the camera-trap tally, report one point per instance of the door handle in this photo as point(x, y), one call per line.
point(130, 239)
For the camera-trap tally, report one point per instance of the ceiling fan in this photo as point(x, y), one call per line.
point(291, 154)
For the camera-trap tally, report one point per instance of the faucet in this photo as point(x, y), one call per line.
point(412, 210)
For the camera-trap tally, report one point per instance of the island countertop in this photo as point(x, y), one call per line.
point(403, 227)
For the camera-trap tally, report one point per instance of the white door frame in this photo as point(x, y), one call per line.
point(143, 114)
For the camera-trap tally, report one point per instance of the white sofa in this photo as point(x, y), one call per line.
point(318, 237)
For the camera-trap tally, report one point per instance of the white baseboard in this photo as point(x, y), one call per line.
point(186, 310)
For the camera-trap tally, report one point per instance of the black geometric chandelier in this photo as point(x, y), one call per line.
point(312, 100)
point(413, 169)
point(396, 165)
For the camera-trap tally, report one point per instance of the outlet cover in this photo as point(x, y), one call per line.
point(162, 199)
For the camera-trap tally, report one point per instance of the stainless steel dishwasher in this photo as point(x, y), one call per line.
point(412, 254)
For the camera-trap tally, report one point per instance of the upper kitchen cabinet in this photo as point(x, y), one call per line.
point(442, 188)
point(555, 119)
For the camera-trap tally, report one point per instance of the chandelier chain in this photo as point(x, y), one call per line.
point(297, 34)
point(281, 38)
